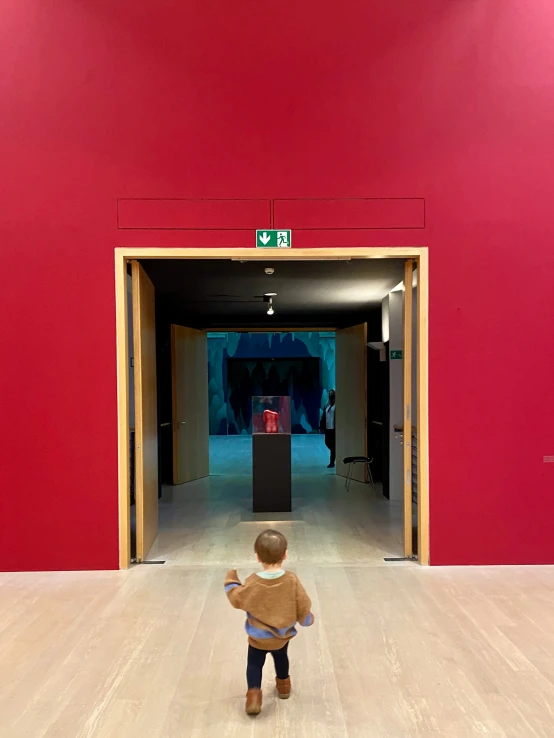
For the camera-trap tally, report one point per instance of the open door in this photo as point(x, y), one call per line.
point(351, 413)
point(408, 429)
point(191, 430)
point(146, 411)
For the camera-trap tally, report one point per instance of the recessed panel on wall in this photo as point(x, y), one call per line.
point(361, 213)
point(168, 214)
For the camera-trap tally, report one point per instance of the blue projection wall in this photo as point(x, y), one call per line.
point(229, 412)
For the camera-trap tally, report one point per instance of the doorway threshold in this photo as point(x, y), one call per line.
point(140, 563)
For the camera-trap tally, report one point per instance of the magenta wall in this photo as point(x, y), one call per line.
point(447, 101)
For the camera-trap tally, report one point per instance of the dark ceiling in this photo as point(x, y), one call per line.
point(310, 294)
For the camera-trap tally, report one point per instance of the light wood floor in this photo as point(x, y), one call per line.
point(395, 652)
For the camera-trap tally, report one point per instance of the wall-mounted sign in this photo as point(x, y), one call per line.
point(396, 355)
point(273, 239)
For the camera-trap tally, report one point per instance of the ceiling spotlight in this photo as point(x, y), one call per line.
point(270, 309)
point(269, 270)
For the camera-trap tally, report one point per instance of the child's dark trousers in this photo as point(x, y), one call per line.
point(256, 661)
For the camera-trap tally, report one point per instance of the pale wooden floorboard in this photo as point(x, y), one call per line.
point(397, 651)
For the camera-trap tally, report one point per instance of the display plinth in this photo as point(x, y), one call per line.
point(271, 473)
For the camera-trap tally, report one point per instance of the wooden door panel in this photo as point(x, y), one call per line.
point(146, 411)
point(189, 359)
point(351, 412)
point(408, 419)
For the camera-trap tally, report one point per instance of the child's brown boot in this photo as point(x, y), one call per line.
point(283, 688)
point(254, 701)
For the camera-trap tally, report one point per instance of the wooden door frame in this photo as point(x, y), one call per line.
point(124, 255)
point(407, 423)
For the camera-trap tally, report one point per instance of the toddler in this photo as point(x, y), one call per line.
point(274, 601)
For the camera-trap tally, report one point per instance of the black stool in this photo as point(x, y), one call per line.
point(351, 460)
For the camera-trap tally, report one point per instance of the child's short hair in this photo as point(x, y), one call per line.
point(271, 546)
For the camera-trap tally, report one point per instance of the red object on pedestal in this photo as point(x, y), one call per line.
point(271, 421)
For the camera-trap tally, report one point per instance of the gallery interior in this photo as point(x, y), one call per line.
point(228, 332)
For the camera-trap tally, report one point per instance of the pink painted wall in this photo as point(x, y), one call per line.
point(449, 101)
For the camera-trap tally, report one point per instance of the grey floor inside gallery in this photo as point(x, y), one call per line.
point(396, 651)
point(211, 521)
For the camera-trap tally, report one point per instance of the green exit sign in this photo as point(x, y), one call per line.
point(396, 355)
point(273, 239)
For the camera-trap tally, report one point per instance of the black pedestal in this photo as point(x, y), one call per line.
point(271, 472)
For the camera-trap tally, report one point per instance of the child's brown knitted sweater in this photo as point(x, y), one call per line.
point(272, 606)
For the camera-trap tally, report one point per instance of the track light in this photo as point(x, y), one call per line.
point(270, 310)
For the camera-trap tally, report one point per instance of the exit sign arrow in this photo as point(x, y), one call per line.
point(264, 238)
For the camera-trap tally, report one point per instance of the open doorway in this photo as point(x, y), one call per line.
point(350, 310)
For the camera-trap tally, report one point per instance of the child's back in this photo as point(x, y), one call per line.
point(274, 601)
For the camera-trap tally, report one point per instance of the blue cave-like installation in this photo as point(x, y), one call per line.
point(241, 365)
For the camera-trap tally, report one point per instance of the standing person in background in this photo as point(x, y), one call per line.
point(327, 425)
